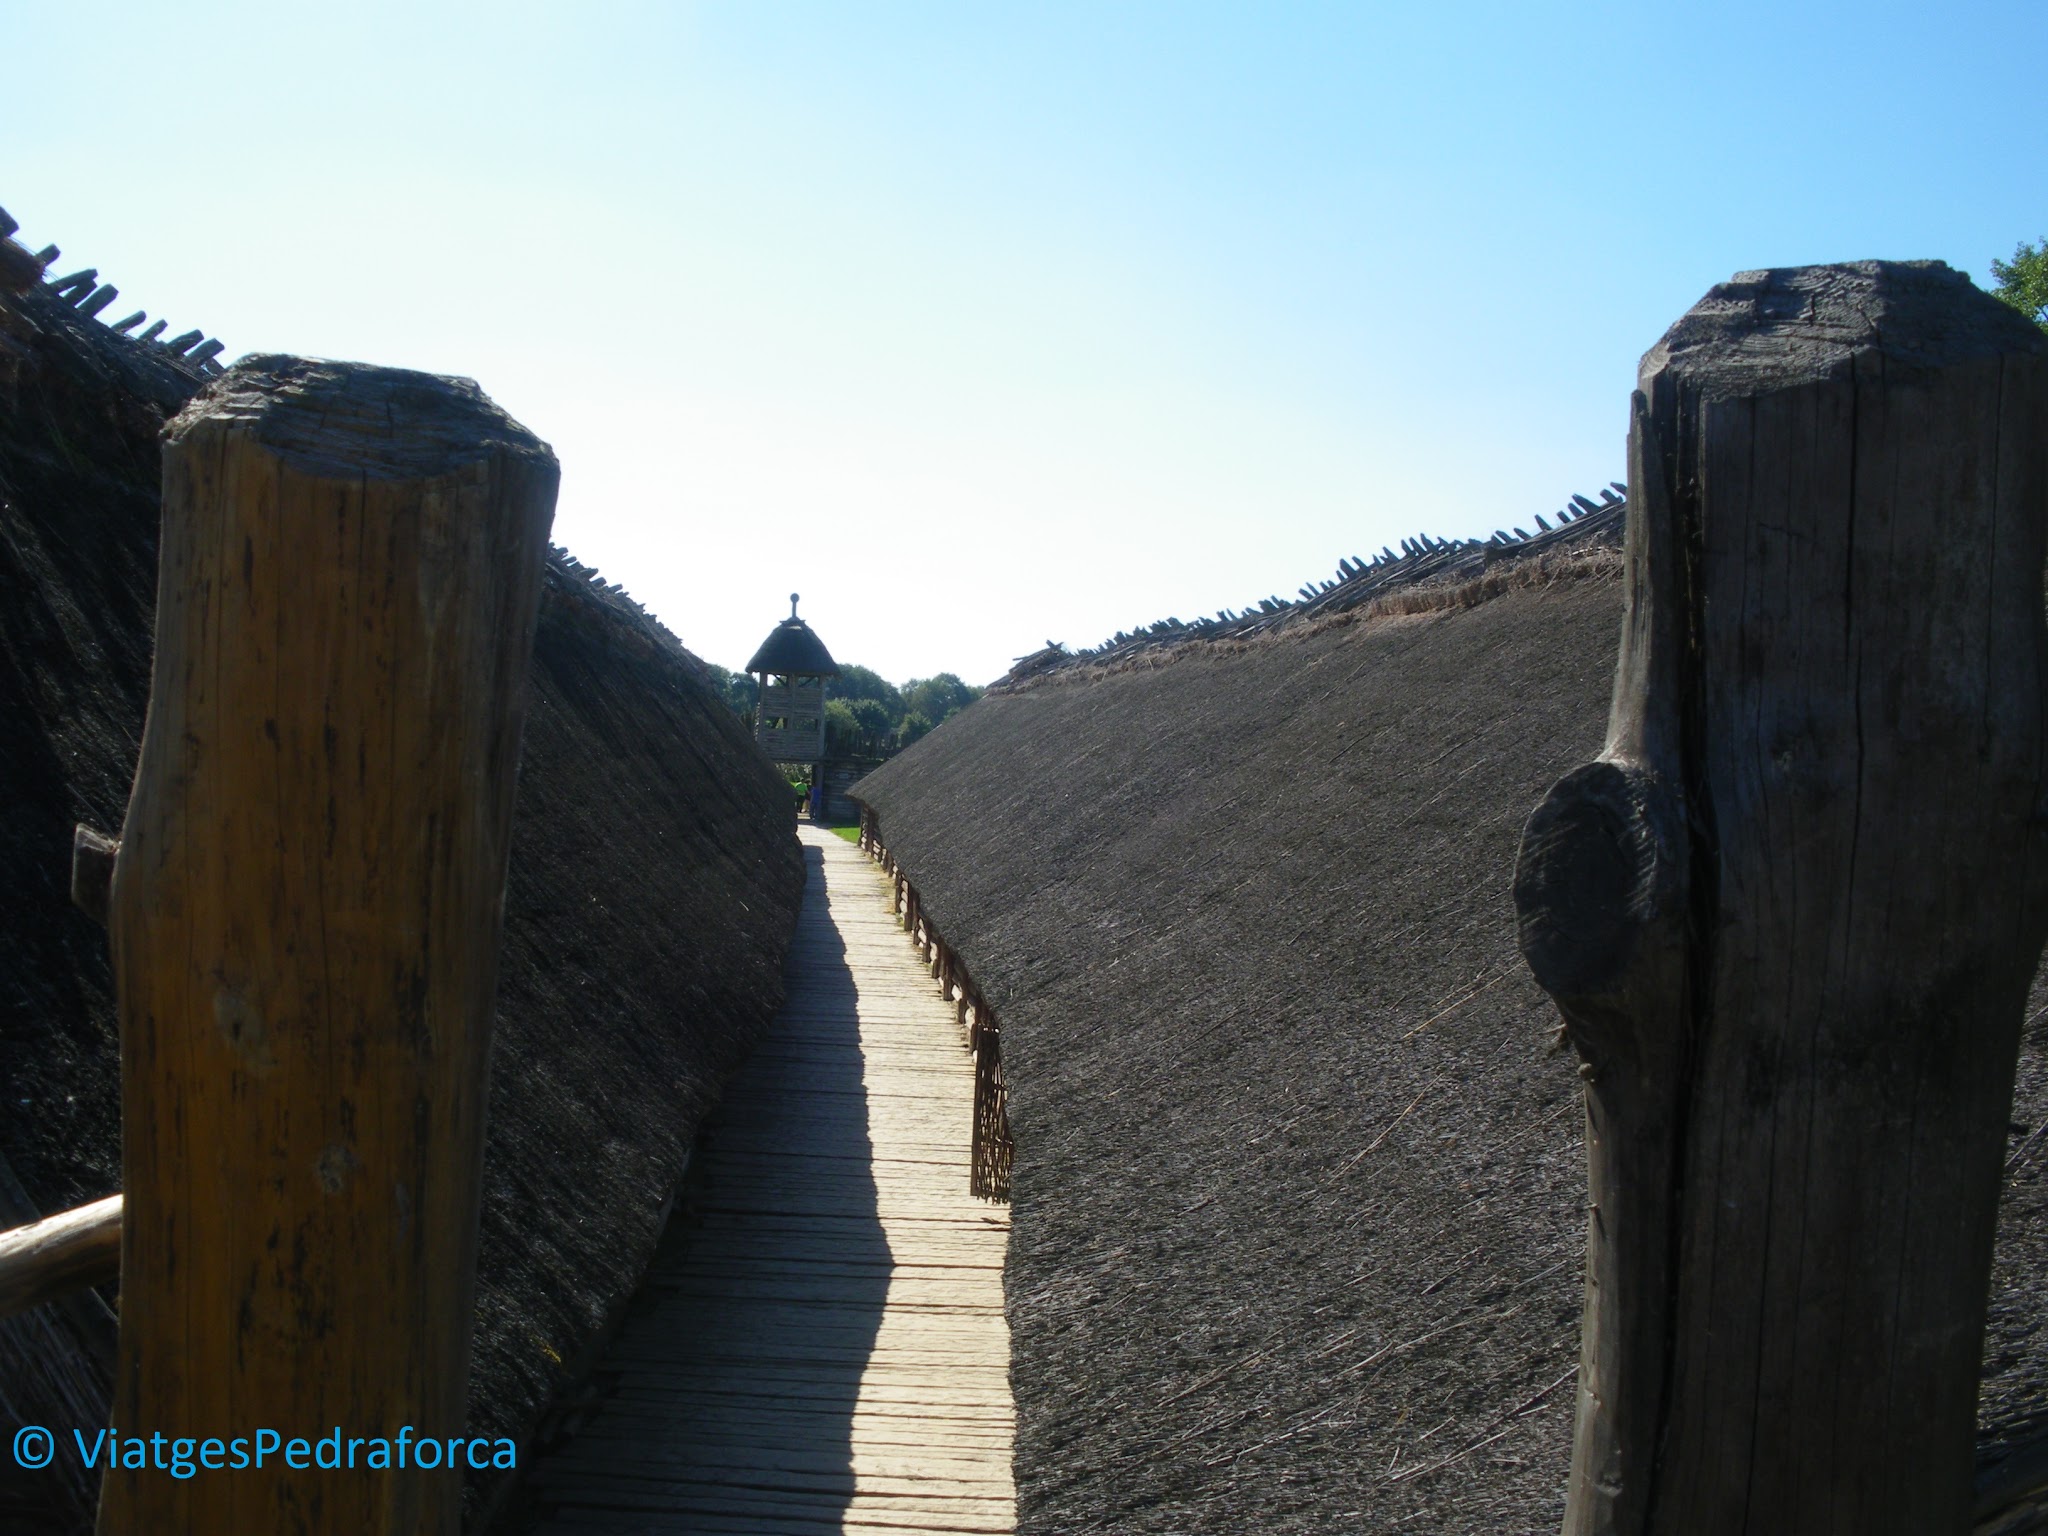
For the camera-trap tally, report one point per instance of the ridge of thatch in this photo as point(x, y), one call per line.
point(1443, 565)
point(190, 354)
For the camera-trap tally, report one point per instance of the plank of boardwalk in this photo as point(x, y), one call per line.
point(820, 1346)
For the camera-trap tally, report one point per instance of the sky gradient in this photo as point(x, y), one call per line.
point(982, 325)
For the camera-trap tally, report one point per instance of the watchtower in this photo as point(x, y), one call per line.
point(792, 665)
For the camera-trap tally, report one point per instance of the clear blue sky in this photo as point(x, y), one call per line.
point(983, 324)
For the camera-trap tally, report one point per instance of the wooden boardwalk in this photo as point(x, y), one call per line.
point(821, 1344)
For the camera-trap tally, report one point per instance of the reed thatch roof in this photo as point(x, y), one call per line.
point(1357, 583)
point(652, 890)
point(794, 649)
point(1299, 1189)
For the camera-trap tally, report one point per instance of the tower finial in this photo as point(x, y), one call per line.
point(792, 605)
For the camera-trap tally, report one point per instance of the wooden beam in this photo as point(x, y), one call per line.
point(92, 870)
point(19, 271)
point(1791, 914)
point(304, 920)
point(60, 1254)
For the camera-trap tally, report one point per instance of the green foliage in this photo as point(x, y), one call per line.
point(851, 834)
point(854, 684)
point(843, 734)
point(2023, 281)
point(938, 697)
point(740, 690)
point(874, 717)
point(922, 704)
point(866, 715)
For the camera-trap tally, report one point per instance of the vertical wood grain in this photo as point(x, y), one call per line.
point(1791, 915)
point(304, 916)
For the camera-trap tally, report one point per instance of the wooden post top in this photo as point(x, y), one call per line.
point(1786, 326)
point(1791, 914)
point(304, 916)
point(337, 420)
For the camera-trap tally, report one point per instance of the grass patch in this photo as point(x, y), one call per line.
point(851, 834)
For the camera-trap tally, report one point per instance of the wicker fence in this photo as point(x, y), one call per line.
point(993, 1152)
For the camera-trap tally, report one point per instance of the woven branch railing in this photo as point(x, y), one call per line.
point(992, 1152)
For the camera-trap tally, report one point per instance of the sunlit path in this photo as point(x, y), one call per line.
point(821, 1346)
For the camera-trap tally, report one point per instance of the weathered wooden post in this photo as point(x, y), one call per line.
point(1791, 914)
point(304, 918)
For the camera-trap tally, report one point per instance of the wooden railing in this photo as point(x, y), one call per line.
point(993, 1152)
point(52, 1257)
point(60, 1254)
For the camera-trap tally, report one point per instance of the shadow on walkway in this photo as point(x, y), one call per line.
point(731, 1390)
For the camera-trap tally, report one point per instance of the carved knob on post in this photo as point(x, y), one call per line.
point(304, 918)
point(1791, 916)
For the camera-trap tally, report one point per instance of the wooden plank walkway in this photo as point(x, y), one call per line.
point(821, 1345)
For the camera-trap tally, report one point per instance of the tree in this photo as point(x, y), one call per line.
point(854, 683)
point(938, 698)
point(740, 690)
point(875, 719)
point(858, 727)
point(2023, 281)
point(843, 734)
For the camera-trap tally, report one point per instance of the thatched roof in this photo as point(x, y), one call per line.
point(794, 649)
point(652, 889)
point(1358, 583)
point(1299, 1190)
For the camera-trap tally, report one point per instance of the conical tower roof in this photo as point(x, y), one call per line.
point(792, 647)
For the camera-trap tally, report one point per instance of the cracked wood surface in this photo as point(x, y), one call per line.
point(1791, 914)
point(305, 921)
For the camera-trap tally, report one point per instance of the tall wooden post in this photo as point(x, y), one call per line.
point(1791, 914)
point(304, 918)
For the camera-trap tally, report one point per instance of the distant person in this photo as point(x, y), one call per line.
point(817, 802)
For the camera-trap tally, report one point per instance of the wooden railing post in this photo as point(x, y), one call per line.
point(304, 918)
point(1791, 914)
